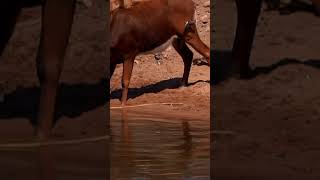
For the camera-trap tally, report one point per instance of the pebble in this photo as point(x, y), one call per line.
point(204, 19)
point(206, 4)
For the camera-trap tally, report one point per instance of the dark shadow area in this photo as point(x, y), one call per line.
point(72, 101)
point(283, 62)
point(30, 3)
point(292, 7)
point(222, 66)
point(152, 88)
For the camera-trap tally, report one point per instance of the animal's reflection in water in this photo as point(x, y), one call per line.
point(151, 149)
point(147, 147)
point(56, 162)
point(125, 127)
point(46, 164)
point(126, 138)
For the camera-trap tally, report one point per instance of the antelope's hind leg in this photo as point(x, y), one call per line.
point(187, 56)
point(247, 18)
point(191, 36)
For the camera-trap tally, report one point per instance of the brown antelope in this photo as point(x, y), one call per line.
point(149, 25)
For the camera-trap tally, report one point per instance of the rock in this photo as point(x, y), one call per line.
point(157, 56)
point(206, 4)
point(204, 19)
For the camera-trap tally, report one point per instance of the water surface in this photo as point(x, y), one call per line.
point(159, 144)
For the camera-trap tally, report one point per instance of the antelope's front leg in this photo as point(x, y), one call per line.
point(57, 18)
point(126, 76)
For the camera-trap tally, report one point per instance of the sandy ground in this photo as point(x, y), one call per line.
point(154, 83)
point(274, 117)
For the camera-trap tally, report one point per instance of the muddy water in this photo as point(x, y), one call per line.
point(159, 144)
point(147, 144)
point(56, 162)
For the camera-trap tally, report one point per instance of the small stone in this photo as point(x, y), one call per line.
point(157, 56)
point(206, 4)
point(204, 19)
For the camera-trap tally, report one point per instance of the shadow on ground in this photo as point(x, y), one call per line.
point(72, 101)
point(293, 7)
point(222, 66)
point(173, 83)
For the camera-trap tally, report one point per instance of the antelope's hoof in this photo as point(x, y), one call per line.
point(42, 136)
point(123, 104)
point(184, 84)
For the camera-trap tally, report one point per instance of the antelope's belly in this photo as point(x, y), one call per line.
point(164, 46)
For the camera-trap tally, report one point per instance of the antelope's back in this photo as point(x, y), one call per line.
point(142, 27)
